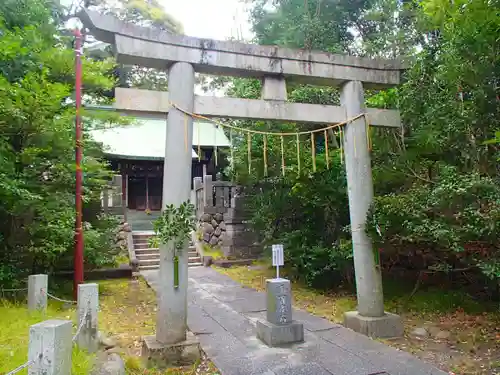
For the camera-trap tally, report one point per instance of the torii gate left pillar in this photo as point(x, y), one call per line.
point(171, 345)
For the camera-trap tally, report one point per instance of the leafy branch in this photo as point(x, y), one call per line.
point(175, 224)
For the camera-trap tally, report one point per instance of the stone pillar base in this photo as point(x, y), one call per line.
point(387, 326)
point(156, 354)
point(277, 335)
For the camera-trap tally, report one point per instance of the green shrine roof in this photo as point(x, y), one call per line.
point(144, 139)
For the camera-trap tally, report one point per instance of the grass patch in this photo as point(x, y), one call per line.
point(313, 301)
point(128, 312)
point(473, 343)
point(14, 335)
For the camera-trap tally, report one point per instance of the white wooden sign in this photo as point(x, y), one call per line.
point(278, 258)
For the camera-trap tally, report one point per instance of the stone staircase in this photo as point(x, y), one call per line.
point(149, 258)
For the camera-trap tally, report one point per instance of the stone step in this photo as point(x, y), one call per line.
point(148, 267)
point(146, 251)
point(154, 250)
point(149, 248)
point(149, 262)
point(141, 240)
point(141, 257)
point(141, 246)
point(150, 259)
point(155, 267)
point(141, 235)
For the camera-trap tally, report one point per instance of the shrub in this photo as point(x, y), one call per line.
point(455, 221)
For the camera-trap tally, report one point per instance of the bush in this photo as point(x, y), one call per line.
point(309, 214)
point(455, 222)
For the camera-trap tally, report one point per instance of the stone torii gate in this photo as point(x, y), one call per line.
point(182, 56)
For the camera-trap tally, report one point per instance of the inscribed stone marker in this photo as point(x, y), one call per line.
point(279, 328)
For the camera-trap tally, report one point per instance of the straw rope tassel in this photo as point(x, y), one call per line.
point(249, 150)
point(298, 153)
point(199, 143)
point(186, 132)
point(231, 148)
point(282, 157)
point(265, 155)
point(216, 158)
point(313, 152)
point(341, 147)
point(368, 135)
point(326, 151)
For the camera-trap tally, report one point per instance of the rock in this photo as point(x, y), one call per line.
point(206, 237)
point(67, 306)
point(222, 225)
point(105, 341)
point(207, 260)
point(218, 217)
point(207, 218)
point(208, 228)
point(116, 350)
point(218, 232)
point(126, 227)
point(420, 332)
point(214, 241)
point(442, 335)
point(122, 244)
point(112, 365)
point(121, 236)
point(214, 223)
point(135, 265)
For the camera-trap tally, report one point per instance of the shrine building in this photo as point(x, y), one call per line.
point(136, 152)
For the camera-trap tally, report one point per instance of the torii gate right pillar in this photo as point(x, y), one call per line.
point(370, 317)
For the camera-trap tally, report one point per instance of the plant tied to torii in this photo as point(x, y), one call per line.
point(174, 226)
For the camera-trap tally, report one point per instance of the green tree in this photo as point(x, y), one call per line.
point(37, 146)
point(436, 180)
point(444, 171)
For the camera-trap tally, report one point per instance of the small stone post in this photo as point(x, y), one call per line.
point(208, 190)
point(197, 184)
point(88, 307)
point(37, 292)
point(105, 200)
point(370, 318)
point(279, 328)
point(50, 348)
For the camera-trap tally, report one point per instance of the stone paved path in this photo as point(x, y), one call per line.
point(222, 313)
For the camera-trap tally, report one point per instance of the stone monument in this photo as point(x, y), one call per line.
point(279, 327)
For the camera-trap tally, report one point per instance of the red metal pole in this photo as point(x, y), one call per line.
point(78, 256)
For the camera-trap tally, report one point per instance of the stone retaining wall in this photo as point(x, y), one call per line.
point(121, 236)
point(213, 229)
point(223, 219)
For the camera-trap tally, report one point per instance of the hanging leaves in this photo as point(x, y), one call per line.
point(175, 224)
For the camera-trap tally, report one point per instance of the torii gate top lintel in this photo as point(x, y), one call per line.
point(159, 49)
